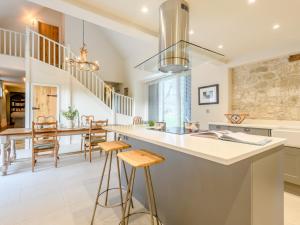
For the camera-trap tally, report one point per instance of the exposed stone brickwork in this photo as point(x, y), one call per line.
point(267, 90)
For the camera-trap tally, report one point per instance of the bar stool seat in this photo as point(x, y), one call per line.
point(140, 158)
point(113, 146)
point(109, 148)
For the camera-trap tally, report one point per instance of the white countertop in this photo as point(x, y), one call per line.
point(223, 152)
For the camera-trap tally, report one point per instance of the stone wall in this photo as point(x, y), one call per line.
point(267, 90)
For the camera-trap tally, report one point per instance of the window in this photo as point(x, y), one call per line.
point(170, 100)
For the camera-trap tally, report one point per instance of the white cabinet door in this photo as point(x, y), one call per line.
point(292, 165)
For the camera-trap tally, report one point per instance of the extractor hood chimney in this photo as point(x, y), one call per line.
point(173, 27)
point(175, 50)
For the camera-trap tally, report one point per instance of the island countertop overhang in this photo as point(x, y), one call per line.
point(222, 152)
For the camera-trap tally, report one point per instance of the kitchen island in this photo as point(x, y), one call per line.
point(211, 182)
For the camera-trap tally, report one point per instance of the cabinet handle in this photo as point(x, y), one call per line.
point(247, 129)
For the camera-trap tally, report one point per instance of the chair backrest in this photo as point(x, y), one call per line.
point(96, 127)
point(44, 131)
point(44, 119)
point(85, 120)
point(137, 120)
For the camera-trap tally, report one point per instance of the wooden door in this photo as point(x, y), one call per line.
point(44, 101)
point(48, 49)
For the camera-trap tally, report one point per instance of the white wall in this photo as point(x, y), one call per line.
point(208, 74)
point(137, 88)
point(111, 63)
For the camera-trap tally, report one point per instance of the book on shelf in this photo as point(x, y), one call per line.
point(240, 137)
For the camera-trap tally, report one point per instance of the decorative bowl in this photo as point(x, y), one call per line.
point(236, 118)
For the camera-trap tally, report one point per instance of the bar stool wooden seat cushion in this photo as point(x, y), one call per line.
point(113, 146)
point(140, 158)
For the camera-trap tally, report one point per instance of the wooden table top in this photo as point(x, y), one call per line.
point(60, 131)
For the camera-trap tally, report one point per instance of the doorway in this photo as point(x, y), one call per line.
point(47, 52)
point(44, 101)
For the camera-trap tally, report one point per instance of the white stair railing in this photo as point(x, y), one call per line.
point(12, 43)
point(54, 53)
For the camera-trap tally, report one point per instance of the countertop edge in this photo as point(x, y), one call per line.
point(222, 161)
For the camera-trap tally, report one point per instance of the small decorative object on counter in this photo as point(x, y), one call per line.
point(71, 114)
point(151, 123)
point(236, 118)
point(193, 126)
point(160, 125)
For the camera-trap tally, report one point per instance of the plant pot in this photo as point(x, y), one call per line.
point(70, 124)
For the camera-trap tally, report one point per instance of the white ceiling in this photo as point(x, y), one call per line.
point(241, 28)
point(16, 14)
point(11, 75)
point(244, 30)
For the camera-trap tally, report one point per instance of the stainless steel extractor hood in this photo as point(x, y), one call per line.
point(173, 27)
point(175, 50)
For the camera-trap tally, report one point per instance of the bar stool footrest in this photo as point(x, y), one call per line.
point(114, 205)
point(137, 213)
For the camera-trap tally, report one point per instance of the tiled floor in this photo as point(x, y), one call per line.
point(65, 196)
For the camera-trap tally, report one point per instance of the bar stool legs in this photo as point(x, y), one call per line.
point(99, 189)
point(141, 159)
point(126, 211)
point(150, 194)
point(108, 162)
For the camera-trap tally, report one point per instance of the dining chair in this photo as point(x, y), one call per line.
point(44, 141)
point(43, 119)
point(96, 135)
point(137, 120)
point(85, 122)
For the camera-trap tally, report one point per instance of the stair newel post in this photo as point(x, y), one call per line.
point(113, 107)
point(28, 113)
point(68, 67)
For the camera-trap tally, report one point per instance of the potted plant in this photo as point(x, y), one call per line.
point(70, 115)
point(151, 123)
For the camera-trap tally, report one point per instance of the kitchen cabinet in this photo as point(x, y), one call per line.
point(292, 165)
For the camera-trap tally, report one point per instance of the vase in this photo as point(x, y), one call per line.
point(70, 124)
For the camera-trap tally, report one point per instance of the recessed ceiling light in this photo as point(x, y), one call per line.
point(276, 26)
point(191, 32)
point(220, 46)
point(251, 2)
point(144, 9)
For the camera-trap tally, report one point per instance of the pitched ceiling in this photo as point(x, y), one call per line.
point(16, 14)
point(242, 28)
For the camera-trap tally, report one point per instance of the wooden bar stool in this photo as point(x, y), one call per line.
point(140, 159)
point(109, 148)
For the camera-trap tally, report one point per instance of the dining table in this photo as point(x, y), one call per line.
point(9, 136)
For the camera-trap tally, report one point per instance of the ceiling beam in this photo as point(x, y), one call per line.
point(99, 17)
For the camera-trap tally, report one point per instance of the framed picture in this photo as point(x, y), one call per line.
point(208, 95)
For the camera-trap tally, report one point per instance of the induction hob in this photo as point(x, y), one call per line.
point(175, 130)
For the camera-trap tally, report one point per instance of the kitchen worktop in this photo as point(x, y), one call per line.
point(222, 152)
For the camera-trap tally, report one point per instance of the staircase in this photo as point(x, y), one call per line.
point(17, 44)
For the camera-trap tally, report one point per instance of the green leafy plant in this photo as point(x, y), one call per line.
point(71, 113)
point(151, 123)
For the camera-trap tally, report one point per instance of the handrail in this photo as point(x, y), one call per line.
point(54, 53)
point(12, 43)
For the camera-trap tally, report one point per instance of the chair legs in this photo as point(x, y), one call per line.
point(33, 161)
point(81, 143)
